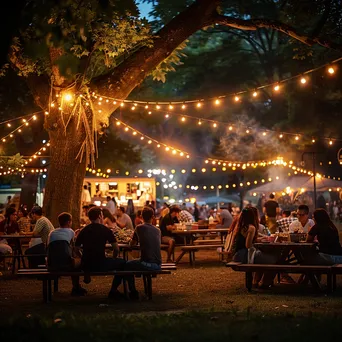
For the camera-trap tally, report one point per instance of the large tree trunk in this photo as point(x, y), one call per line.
point(66, 173)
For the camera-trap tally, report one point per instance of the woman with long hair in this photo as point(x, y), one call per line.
point(24, 221)
point(330, 251)
point(243, 236)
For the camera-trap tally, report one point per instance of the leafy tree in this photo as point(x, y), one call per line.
point(70, 48)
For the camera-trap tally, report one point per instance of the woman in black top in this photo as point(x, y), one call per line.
point(328, 240)
point(244, 235)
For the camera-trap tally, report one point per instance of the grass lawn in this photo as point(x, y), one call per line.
point(208, 302)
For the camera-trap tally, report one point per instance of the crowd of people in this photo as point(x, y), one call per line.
point(247, 228)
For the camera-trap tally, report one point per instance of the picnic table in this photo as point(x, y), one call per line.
point(191, 235)
point(18, 255)
point(285, 250)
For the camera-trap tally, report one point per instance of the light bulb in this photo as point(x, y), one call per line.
point(276, 88)
point(236, 99)
point(183, 106)
point(303, 80)
point(331, 70)
point(280, 136)
point(255, 94)
point(217, 102)
point(199, 105)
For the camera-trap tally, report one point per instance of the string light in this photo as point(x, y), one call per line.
point(151, 140)
point(331, 70)
point(303, 80)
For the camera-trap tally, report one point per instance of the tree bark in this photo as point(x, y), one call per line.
point(64, 183)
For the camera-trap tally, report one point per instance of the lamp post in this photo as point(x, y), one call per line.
point(314, 173)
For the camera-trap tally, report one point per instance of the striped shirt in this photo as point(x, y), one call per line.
point(43, 228)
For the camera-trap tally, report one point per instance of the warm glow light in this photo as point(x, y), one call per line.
point(166, 115)
point(183, 119)
point(118, 123)
point(331, 70)
point(150, 141)
point(247, 131)
point(157, 106)
point(217, 102)
point(203, 170)
point(230, 128)
point(280, 136)
point(146, 106)
point(264, 133)
point(200, 122)
point(122, 104)
point(170, 107)
point(199, 105)
point(297, 137)
point(214, 124)
point(313, 140)
point(236, 99)
point(303, 80)
point(126, 129)
point(183, 106)
point(276, 88)
point(255, 94)
point(330, 142)
point(67, 97)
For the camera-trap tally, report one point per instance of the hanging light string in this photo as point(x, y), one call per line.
point(331, 69)
point(231, 126)
point(38, 153)
point(158, 144)
point(26, 122)
point(19, 117)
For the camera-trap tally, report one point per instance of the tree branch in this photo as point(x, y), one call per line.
point(254, 24)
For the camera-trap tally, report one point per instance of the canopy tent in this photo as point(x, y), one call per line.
point(221, 199)
point(294, 183)
point(322, 184)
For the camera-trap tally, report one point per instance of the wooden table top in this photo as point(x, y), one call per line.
point(14, 236)
point(291, 245)
point(200, 231)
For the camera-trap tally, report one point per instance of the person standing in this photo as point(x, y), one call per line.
point(225, 217)
point(271, 210)
point(111, 205)
point(86, 198)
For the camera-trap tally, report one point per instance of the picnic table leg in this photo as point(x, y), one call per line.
point(334, 282)
point(49, 290)
point(145, 285)
point(125, 287)
point(179, 257)
point(249, 281)
point(45, 296)
point(329, 282)
point(55, 285)
point(314, 281)
point(190, 258)
point(149, 286)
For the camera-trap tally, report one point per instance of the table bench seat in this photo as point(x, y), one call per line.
point(46, 277)
point(191, 249)
point(309, 270)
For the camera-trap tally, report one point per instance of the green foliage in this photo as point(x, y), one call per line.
point(169, 63)
point(92, 37)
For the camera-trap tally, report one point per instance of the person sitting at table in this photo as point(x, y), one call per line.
point(167, 224)
point(244, 235)
point(303, 224)
point(93, 239)
point(138, 218)
point(7, 227)
point(24, 221)
point(149, 238)
point(185, 216)
point(284, 223)
point(225, 218)
point(40, 235)
point(59, 251)
point(326, 233)
point(10, 225)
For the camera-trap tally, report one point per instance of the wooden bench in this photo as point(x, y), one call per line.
point(47, 277)
point(310, 271)
point(192, 249)
point(336, 270)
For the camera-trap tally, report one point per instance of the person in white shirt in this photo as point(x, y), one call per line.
point(123, 220)
point(86, 198)
point(111, 205)
point(60, 258)
point(304, 224)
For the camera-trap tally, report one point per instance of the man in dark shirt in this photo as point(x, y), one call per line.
point(271, 209)
point(149, 238)
point(93, 239)
point(167, 223)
